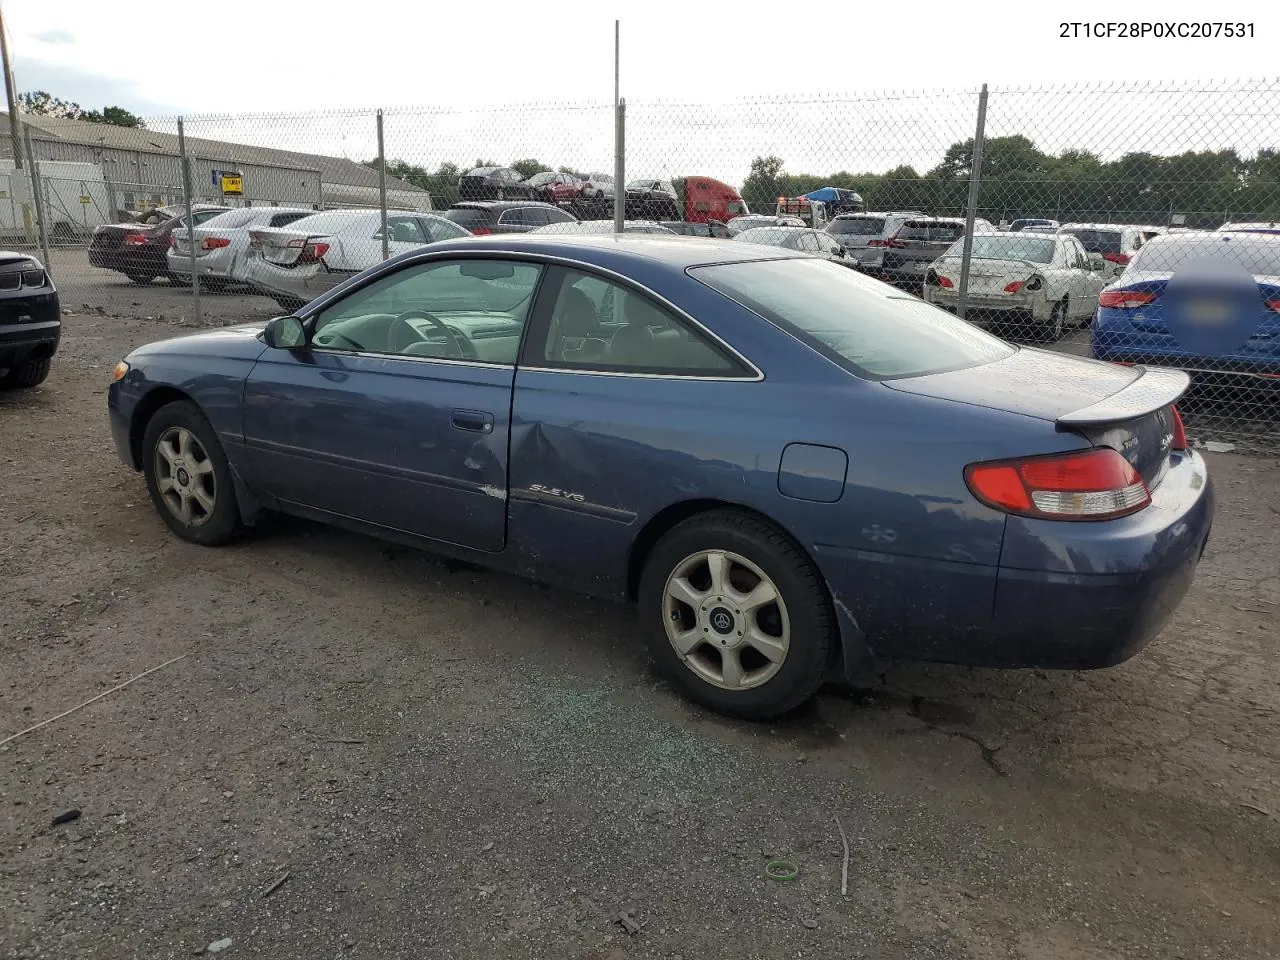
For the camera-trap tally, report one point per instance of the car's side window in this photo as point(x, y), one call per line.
point(513, 218)
point(599, 325)
point(451, 309)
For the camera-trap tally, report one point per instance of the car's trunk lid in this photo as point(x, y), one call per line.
point(285, 247)
point(1126, 408)
point(111, 235)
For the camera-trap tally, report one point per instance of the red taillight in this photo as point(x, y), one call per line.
point(214, 243)
point(1120, 258)
point(1179, 441)
point(1096, 484)
point(1014, 287)
point(945, 282)
point(1273, 306)
point(480, 231)
point(312, 251)
point(895, 243)
point(1125, 299)
point(137, 239)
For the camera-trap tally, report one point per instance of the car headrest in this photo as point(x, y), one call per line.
point(577, 314)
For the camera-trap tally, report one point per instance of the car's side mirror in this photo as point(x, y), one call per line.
point(285, 333)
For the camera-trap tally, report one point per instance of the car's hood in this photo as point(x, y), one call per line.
point(238, 342)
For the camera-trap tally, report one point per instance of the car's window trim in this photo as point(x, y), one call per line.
point(310, 311)
point(536, 351)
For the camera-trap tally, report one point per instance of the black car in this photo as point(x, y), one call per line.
point(494, 183)
point(712, 228)
point(30, 322)
point(510, 216)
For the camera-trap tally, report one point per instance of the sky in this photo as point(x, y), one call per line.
point(708, 86)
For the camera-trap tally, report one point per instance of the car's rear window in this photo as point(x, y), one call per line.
point(922, 230)
point(857, 227)
point(1098, 241)
point(469, 217)
point(233, 218)
point(995, 247)
point(868, 328)
point(1257, 253)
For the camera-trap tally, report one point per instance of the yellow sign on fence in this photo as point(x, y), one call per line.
point(84, 198)
point(232, 185)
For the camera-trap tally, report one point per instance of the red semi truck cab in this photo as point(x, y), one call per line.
point(699, 199)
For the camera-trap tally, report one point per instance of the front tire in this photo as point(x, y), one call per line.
point(188, 476)
point(737, 616)
point(29, 373)
point(141, 279)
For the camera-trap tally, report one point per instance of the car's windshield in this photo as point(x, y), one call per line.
point(773, 236)
point(328, 222)
point(864, 325)
point(538, 179)
point(995, 247)
point(1257, 253)
point(469, 217)
point(232, 219)
point(857, 226)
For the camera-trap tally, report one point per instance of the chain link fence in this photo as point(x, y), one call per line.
point(1053, 216)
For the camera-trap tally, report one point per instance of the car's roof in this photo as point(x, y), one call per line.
point(1117, 227)
point(675, 251)
point(500, 204)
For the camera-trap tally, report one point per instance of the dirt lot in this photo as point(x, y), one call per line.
point(449, 763)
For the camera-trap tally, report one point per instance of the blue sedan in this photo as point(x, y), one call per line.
point(1220, 316)
point(791, 467)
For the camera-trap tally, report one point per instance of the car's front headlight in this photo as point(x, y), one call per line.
point(121, 369)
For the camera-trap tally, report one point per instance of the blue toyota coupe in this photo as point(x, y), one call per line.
point(790, 467)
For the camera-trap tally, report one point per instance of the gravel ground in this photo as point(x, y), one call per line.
point(442, 762)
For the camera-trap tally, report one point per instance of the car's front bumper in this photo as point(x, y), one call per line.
point(1064, 596)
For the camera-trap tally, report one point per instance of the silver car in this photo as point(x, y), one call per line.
point(817, 242)
point(580, 227)
point(865, 235)
point(222, 242)
point(297, 263)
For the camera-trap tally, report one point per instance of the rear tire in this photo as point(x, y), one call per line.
point(29, 373)
point(1056, 328)
point(781, 647)
point(188, 477)
point(141, 279)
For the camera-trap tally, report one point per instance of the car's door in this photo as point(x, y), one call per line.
point(1086, 283)
point(396, 412)
point(609, 421)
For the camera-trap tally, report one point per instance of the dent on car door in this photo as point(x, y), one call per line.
point(396, 411)
point(603, 433)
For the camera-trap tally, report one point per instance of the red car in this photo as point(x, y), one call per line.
point(555, 187)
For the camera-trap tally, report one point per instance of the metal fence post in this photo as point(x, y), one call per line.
point(191, 218)
point(619, 165)
point(382, 190)
point(971, 211)
point(37, 195)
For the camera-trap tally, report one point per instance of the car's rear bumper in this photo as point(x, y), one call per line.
point(1138, 348)
point(1065, 595)
point(305, 283)
point(1001, 305)
point(129, 259)
point(216, 264)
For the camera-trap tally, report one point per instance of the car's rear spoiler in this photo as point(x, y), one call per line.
point(1151, 390)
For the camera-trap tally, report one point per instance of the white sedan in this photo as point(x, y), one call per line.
point(297, 263)
point(1047, 279)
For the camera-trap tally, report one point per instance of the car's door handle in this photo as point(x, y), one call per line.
point(476, 421)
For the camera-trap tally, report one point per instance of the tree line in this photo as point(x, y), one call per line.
point(1205, 187)
point(44, 104)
